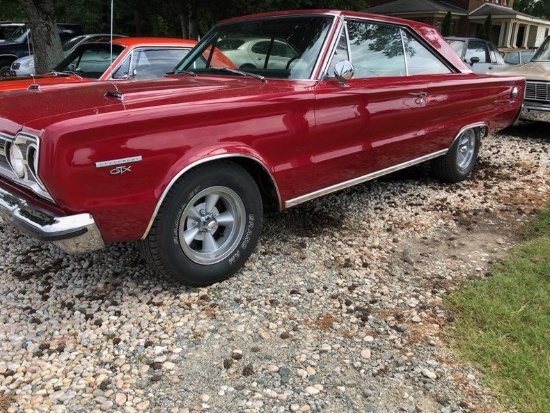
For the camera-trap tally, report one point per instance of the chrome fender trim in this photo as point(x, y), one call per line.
point(197, 163)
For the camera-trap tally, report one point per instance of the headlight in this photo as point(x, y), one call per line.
point(17, 161)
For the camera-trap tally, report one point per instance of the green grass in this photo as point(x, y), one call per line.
point(503, 323)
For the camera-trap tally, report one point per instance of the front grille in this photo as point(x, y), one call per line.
point(537, 91)
point(3, 158)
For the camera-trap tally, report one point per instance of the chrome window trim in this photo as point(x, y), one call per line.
point(338, 27)
point(405, 54)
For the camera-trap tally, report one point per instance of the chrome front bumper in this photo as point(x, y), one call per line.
point(535, 111)
point(73, 234)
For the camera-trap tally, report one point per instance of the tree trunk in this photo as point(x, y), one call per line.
point(45, 34)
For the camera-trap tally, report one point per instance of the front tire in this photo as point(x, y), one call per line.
point(5, 71)
point(459, 161)
point(207, 227)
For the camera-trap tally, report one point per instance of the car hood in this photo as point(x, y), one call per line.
point(10, 84)
point(9, 43)
point(531, 71)
point(41, 109)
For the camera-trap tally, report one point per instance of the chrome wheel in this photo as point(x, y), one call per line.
point(466, 150)
point(212, 225)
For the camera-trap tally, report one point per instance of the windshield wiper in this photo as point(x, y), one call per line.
point(65, 73)
point(239, 72)
point(182, 72)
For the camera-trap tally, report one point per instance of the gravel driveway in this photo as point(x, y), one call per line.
point(339, 309)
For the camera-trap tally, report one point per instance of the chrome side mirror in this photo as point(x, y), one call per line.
point(343, 70)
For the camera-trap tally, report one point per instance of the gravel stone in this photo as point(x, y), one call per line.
point(340, 308)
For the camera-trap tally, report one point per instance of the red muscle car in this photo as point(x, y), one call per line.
point(125, 58)
point(188, 163)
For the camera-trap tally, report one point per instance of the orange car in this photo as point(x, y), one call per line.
point(127, 58)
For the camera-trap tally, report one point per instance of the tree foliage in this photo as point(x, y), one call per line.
point(537, 8)
point(446, 27)
point(177, 18)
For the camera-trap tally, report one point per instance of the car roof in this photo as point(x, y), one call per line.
point(153, 41)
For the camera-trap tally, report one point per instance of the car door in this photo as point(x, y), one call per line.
point(478, 56)
point(377, 120)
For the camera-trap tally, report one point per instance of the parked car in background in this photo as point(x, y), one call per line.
point(125, 58)
point(19, 44)
point(513, 56)
point(7, 28)
point(188, 163)
point(536, 105)
point(252, 53)
point(482, 56)
point(25, 65)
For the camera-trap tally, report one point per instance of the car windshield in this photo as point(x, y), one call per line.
point(543, 52)
point(286, 47)
point(90, 60)
point(69, 44)
point(457, 46)
point(18, 35)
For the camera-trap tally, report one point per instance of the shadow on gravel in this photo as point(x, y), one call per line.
point(528, 130)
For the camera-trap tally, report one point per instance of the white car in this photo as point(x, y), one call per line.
point(24, 66)
point(254, 53)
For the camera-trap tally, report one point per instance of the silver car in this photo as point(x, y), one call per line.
point(258, 53)
point(482, 56)
point(24, 66)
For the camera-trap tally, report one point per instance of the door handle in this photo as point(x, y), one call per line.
point(420, 97)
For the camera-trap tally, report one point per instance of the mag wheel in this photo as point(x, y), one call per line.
point(207, 227)
point(459, 161)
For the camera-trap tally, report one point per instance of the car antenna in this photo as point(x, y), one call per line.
point(111, 33)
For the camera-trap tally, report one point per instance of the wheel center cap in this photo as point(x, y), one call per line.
point(211, 225)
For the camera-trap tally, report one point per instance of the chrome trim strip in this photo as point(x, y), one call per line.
point(113, 162)
point(361, 179)
point(73, 233)
point(406, 56)
point(194, 164)
point(382, 172)
point(535, 113)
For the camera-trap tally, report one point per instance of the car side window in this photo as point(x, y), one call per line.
point(261, 47)
point(477, 49)
point(512, 58)
point(496, 57)
point(376, 49)
point(420, 61)
point(155, 63)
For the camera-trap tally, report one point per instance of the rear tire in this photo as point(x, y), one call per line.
point(459, 161)
point(207, 227)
